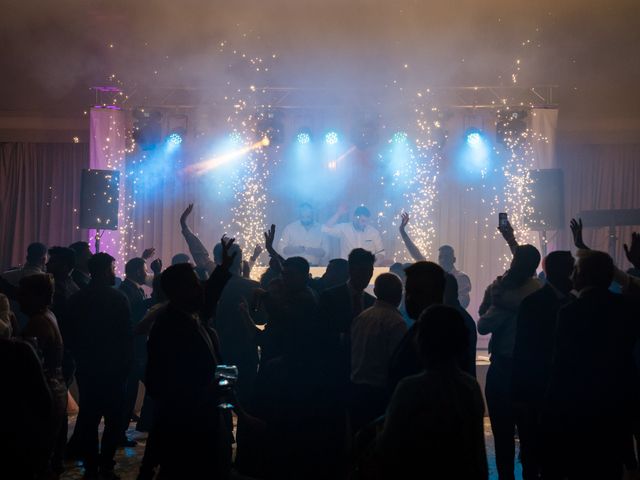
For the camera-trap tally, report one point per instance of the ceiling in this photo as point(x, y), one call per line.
point(53, 52)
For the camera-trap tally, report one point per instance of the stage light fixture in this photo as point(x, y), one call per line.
point(399, 138)
point(476, 154)
point(174, 140)
point(474, 139)
point(235, 138)
point(331, 138)
point(303, 138)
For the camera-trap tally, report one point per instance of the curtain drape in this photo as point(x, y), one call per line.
point(600, 177)
point(39, 196)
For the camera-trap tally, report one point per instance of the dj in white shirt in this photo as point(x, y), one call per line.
point(355, 234)
point(304, 238)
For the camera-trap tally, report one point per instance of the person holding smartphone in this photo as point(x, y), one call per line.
point(498, 317)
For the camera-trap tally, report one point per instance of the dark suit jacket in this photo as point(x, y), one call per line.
point(336, 315)
point(535, 337)
point(138, 307)
point(336, 308)
point(180, 376)
point(100, 334)
point(592, 387)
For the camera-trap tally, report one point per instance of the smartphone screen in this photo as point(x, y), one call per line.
point(502, 220)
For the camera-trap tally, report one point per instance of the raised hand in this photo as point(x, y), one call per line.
point(256, 252)
point(269, 237)
point(633, 252)
point(148, 253)
point(156, 266)
point(227, 260)
point(576, 231)
point(185, 215)
point(404, 221)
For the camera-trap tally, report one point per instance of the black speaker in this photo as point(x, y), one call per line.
point(99, 194)
point(548, 199)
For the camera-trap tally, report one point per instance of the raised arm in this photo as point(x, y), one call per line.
point(215, 284)
point(413, 249)
point(198, 251)
point(576, 231)
point(509, 235)
point(269, 238)
point(330, 226)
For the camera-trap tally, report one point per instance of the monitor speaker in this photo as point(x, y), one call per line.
point(99, 199)
point(548, 199)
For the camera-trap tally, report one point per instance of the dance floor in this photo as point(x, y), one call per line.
point(128, 459)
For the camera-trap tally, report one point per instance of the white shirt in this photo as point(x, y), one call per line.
point(297, 235)
point(464, 287)
point(14, 276)
point(375, 334)
point(350, 238)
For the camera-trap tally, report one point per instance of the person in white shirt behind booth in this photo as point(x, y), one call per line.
point(304, 238)
point(355, 234)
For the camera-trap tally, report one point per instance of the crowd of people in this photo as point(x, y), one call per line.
point(332, 382)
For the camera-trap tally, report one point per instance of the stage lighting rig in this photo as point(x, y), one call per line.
point(331, 138)
point(303, 136)
point(399, 138)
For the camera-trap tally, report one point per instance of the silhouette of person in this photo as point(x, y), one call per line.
point(340, 305)
point(447, 260)
point(498, 316)
point(451, 298)
point(533, 353)
point(61, 264)
point(337, 273)
point(80, 274)
point(593, 386)
point(25, 411)
point(424, 287)
point(35, 294)
point(136, 276)
point(434, 423)
point(183, 356)
point(101, 342)
point(375, 334)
